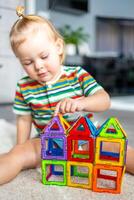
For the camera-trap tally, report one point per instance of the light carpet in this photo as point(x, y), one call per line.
point(27, 185)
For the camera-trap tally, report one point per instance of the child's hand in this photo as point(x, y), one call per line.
point(68, 105)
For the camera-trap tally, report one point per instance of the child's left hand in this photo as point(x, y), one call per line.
point(69, 105)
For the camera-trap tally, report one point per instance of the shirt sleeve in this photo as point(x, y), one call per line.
point(88, 83)
point(20, 107)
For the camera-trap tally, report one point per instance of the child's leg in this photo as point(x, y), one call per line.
point(20, 157)
point(130, 160)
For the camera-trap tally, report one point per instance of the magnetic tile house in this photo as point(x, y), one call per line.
point(109, 165)
point(78, 156)
point(55, 131)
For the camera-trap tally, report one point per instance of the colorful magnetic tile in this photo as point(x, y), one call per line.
point(111, 124)
point(92, 127)
point(50, 150)
point(116, 159)
point(74, 154)
point(81, 175)
point(80, 128)
point(64, 123)
point(54, 127)
point(107, 178)
point(54, 172)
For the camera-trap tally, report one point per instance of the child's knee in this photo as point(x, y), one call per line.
point(17, 150)
point(27, 154)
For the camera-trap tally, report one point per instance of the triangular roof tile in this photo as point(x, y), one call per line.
point(83, 126)
point(58, 125)
point(112, 128)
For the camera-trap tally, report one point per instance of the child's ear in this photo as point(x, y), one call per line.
point(60, 46)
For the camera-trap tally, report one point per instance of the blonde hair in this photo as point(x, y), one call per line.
point(30, 24)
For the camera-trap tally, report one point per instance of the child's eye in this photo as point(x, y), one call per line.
point(27, 63)
point(44, 56)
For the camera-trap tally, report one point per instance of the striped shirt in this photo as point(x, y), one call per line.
point(39, 100)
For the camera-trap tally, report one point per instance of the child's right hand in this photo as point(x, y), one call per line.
point(69, 105)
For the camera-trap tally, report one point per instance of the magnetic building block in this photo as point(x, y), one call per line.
point(81, 176)
point(81, 132)
point(111, 134)
point(51, 176)
point(79, 155)
point(54, 132)
point(111, 177)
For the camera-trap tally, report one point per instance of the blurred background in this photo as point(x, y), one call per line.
point(99, 36)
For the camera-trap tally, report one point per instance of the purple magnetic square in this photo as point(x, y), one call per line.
point(53, 157)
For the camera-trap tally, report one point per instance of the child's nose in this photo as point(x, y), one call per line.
point(38, 65)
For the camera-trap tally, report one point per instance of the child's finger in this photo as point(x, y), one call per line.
point(73, 107)
point(57, 109)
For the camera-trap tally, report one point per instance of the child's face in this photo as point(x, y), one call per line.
point(40, 56)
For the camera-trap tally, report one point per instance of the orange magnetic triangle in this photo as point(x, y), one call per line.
point(125, 134)
point(64, 123)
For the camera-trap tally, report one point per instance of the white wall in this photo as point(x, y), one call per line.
point(109, 8)
point(113, 8)
point(10, 70)
point(101, 8)
point(97, 8)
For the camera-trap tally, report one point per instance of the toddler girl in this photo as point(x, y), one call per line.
point(48, 88)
